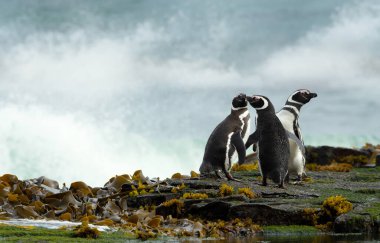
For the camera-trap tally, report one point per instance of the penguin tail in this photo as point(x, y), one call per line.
point(275, 177)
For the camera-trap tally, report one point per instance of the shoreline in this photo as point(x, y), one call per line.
point(340, 195)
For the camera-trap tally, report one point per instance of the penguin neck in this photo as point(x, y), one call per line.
point(269, 111)
point(238, 110)
point(294, 104)
point(294, 108)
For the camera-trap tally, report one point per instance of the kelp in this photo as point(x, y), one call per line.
point(42, 198)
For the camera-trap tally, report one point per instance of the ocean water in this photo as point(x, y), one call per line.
point(92, 89)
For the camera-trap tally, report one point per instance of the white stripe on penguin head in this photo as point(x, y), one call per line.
point(239, 108)
point(265, 103)
point(290, 99)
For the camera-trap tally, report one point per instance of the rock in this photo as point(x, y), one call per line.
point(214, 210)
point(378, 160)
point(233, 198)
point(324, 155)
point(150, 199)
point(173, 207)
point(195, 184)
point(288, 195)
point(48, 182)
point(376, 225)
point(353, 223)
point(267, 215)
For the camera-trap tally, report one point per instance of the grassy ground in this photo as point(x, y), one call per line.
point(35, 234)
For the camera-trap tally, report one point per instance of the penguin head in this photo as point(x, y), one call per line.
point(302, 96)
point(260, 102)
point(239, 102)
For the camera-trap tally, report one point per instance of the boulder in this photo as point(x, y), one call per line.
point(264, 214)
point(354, 223)
point(211, 211)
point(324, 155)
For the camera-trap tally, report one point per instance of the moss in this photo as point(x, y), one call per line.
point(290, 229)
point(247, 192)
point(194, 195)
point(36, 234)
point(368, 191)
point(245, 167)
point(336, 205)
point(225, 190)
point(374, 210)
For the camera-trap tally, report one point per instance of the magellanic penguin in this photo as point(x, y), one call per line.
point(272, 141)
point(288, 116)
point(228, 138)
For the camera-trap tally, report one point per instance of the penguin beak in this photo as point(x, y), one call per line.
point(249, 99)
point(313, 95)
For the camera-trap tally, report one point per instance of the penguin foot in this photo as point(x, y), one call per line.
point(297, 183)
point(218, 175)
point(287, 178)
point(233, 179)
point(264, 182)
point(281, 186)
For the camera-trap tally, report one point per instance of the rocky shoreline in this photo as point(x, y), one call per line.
point(187, 206)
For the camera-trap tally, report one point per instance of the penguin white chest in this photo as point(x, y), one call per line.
point(244, 122)
point(286, 119)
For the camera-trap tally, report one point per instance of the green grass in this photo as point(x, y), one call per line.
point(29, 235)
point(366, 174)
point(290, 229)
point(374, 210)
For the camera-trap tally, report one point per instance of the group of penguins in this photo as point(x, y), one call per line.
point(277, 139)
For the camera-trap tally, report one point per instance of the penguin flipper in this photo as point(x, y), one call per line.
point(252, 139)
point(238, 143)
point(297, 140)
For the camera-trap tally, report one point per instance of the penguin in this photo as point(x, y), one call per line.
point(272, 141)
point(227, 139)
point(288, 116)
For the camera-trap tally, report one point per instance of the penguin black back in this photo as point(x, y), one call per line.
point(227, 138)
point(273, 144)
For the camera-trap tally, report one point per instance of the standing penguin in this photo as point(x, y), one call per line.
point(227, 139)
point(272, 139)
point(288, 116)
